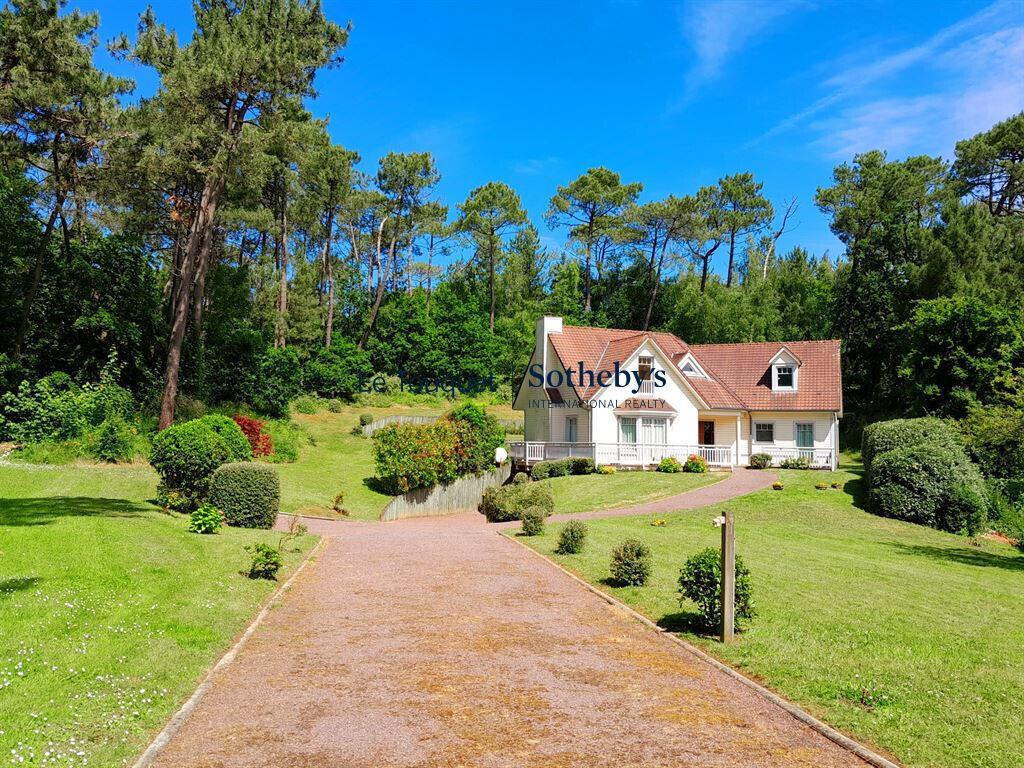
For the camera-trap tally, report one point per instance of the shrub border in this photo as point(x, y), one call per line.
point(826, 730)
point(179, 718)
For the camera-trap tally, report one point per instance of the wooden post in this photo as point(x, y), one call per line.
point(728, 578)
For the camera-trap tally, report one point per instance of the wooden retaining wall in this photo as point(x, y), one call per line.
point(463, 495)
point(383, 421)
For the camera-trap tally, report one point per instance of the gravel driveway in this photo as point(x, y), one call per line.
point(436, 642)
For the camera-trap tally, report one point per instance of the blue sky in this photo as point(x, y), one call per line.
point(674, 95)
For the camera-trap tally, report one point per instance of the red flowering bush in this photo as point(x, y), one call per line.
point(261, 443)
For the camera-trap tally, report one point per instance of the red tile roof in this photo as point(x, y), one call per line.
point(740, 378)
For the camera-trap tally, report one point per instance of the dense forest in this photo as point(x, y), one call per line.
point(212, 241)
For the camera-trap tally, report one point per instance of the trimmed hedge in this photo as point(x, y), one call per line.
point(409, 456)
point(883, 436)
point(238, 445)
point(578, 465)
point(508, 502)
point(931, 484)
point(185, 456)
point(248, 494)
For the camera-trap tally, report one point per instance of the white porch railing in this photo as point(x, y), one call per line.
point(818, 457)
point(628, 454)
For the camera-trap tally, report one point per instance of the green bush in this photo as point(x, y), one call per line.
point(930, 484)
point(173, 501)
point(883, 436)
point(1006, 506)
point(114, 440)
point(266, 562)
point(409, 456)
point(205, 519)
point(306, 404)
point(542, 470)
point(995, 437)
point(239, 447)
point(278, 381)
point(700, 580)
point(520, 478)
point(248, 494)
point(508, 502)
point(631, 563)
point(571, 538)
point(695, 463)
point(669, 464)
point(334, 405)
point(533, 521)
point(186, 455)
point(760, 461)
point(478, 434)
point(581, 466)
point(286, 437)
point(795, 462)
point(365, 419)
point(51, 409)
point(335, 372)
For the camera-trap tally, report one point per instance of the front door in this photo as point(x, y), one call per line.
point(706, 432)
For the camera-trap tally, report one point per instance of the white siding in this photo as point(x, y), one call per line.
point(556, 416)
point(785, 428)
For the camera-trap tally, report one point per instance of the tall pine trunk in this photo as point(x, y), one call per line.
point(329, 274)
point(282, 299)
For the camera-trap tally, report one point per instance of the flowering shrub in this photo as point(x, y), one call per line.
point(606, 469)
point(695, 463)
point(670, 464)
point(259, 441)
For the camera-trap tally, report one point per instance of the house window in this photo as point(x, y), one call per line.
point(571, 433)
point(627, 429)
point(805, 436)
point(764, 433)
point(654, 431)
point(645, 366)
point(554, 395)
point(784, 376)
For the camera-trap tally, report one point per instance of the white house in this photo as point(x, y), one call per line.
point(633, 397)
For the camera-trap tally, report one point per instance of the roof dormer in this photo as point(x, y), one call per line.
point(785, 371)
point(690, 367)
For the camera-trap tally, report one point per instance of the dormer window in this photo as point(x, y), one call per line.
point(784, 377)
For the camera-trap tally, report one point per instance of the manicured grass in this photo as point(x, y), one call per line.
point(908, 638)
point(110, 611)
point(584, 493)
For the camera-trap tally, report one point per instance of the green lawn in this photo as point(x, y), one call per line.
point(908, 638)
point(110, 611)
point(584, 493)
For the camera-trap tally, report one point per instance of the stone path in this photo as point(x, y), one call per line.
point(437, 642)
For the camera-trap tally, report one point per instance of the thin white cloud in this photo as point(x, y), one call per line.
point(535, 165)
point(719, 29)
point(976, 81)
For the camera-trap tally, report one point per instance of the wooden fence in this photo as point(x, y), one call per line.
point(463, 495)
point(383, 421)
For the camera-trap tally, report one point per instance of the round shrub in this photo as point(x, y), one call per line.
point(206, 519)
point(571, 538)
point(520, 478)
point(700, 580)
point(760, 461)
point(884, 436)
point(306, 404)
point(669, 464)
point(365, 419)
point(266, 561)
point(508, 502)
point(929, 484)
point(631, 563)
point(185, 456)
point(795, 462)
point(581, 465)
point(114, 440)
point(533, 521)
point(238, 445)
point(695, 463)
point(247, 493)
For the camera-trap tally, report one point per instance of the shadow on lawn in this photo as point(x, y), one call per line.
point(17, 584)
point(963, 556)
point(45, 510)
point(683, 621)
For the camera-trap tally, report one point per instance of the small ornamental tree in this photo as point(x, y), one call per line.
point(185, 456)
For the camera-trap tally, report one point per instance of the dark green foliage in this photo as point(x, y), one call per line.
point(114, 440)
point(1006, 508)
point(336, 372)
point(508, 502)
point(995, 437)
point(239, 448)
point(669, 464)
point(533, 521)
point(760, 460)
point(478, 434)
point(52, 409)
point(700, 580)
point(280, 374)
point(248, 494)
point(306, 404)
point(885, 436)
point(631, 563)
point(520, 478)
point(205, 519)
point(409, 456)
point(186, 455)
point(266, 561)
point(581, 466)
point(795, 462)
point(571, 538)
point(695, 463)
point(931, 484)
point(365, 419)
point(561, 467)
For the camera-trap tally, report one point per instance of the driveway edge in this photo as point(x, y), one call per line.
point(844, 741)
point(156, 746)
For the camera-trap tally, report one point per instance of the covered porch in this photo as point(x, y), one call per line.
point(627, 454)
